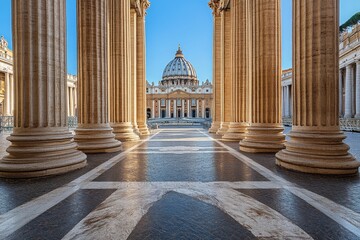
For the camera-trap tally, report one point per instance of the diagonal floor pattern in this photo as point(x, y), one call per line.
point(181, 184)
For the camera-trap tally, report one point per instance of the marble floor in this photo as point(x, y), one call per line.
point(181, 183)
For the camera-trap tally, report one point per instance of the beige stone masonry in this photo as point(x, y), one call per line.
point(93, 134)
point(265, 131)
point(240, 71)
point(41, 143)
point(316, 142)
point(120, 69)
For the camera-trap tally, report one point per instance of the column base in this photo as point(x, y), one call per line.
point(319, 152)
point(214, 127)
point(124, 132)
point(143, 129)
point(223, 129)
point(236, 131)
point(96, 138)
point(41, 152)
point(136, 128)
point(263, 138)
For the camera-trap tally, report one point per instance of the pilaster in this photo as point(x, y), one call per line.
point(348, 91)
point(315, 144)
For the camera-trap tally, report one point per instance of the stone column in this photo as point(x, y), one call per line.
point(265, 133)
point(197, 107)
point(203, 108)
point(159, 108)
point(41, 143)
point(67, 101)
point(189, 108)
point(7, 99)
point(216, 104)
point(226, 75)
point(120, 69)
point(133, 66)
point(141, 67)
point(182, 108)
point(169, 108)
point(153, 109)
point(340, 93)
point(348, 92)
point(357, 98)
point(93, 134)
point(71, 102)
point(287, 102)
point(175, 109)
point(315, 144)
point(240, 71)
point(12, 96)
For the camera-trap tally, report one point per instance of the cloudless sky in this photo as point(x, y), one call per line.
point(170, 22)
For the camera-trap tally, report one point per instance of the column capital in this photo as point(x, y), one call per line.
point(219, 6)
point(349, 66)
point(140, 6)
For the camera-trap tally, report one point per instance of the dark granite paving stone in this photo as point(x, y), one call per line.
point(344, 190)
point(203, 167)
point(177, 216)
point(60, 219)
point(184, 144)
point(308, 218)
point(15, 192)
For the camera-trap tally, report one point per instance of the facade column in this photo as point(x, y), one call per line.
point(159, 108)
point(75, 100)
point(216, 105)
point(133, 67)
point(141, 7)
point(197, 108)
point(348, 92)
point(283, 101)
point(153, 109)
point(71, 102)
point(182, 108)
point(203, 108)
point(340, 93)
point(175, 109)
point(67, 101)
point(41, 143)
point(315, 144)
point(189, 108)
point(120, 69)
point(357, 98)
point(7, 99)
point(169, 108)
point(12, 98)
point(226, 62)
point(240, 71)
point(265, 133)
point(287, 102)
point(93, 134)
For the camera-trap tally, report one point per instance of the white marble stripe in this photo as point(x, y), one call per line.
point(21, 215)
point(148, 148)
point(177, 152)
point(173, 185)
point(119, 214)
point(340, 214)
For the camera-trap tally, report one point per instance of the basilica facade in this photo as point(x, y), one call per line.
point(179, 93)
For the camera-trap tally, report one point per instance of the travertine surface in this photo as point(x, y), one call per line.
point(265, 131)
point(120, 70)
point(41, 143)
point(240, 71)
point(316, 142)
point(94, 134)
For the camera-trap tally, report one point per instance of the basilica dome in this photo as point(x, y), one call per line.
point(179, 68)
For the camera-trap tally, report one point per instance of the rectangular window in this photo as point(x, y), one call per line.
point(163, 104)
point(178, 102)
point(193, 102)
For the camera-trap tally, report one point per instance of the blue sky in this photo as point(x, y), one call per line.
point(170, 22)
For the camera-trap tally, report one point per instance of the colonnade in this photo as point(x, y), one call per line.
point(8, 103)
point(111, 84)
point(185, 107)
point(349, 95)
point(254, 75)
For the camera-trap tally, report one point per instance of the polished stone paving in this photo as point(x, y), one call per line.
point(182, 183)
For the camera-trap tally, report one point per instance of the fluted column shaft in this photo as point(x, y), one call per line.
point(240, 70)
point(348, 91)
point(141, 70)
point(216, 105)
point(133, 66)
point(357, 95)
point(120, 69)
point(315, 144)
point(265, 131)
point(41, 143)
point(93, 134)
point(226, 75)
